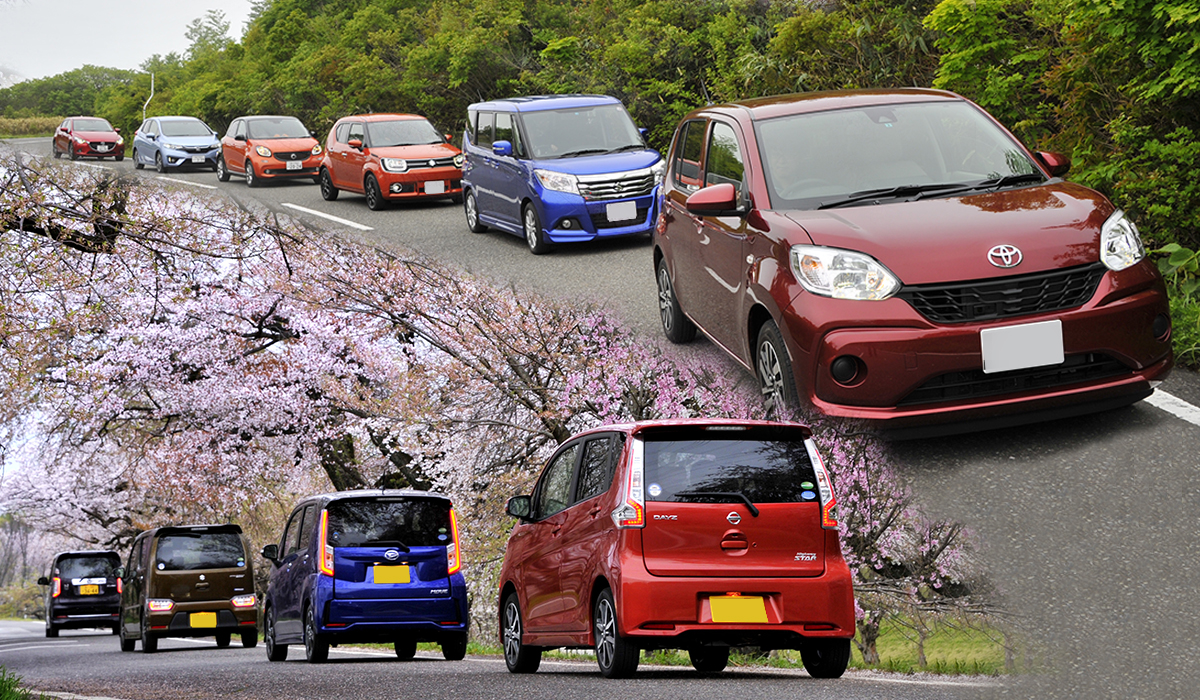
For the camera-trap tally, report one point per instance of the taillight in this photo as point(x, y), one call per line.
point(57, 588)
point(120, 585)
point(632, 511)
point(453, 555)
point(824, 487)
point(160, 604)
point(326, 548)
point(243, 601)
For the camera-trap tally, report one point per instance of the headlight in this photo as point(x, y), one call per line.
point(394, 165)
point(263, 151)
point(459, 160)
point(560, 182)
point(660, 171)
point(79, 139)
point(120, 141)
point(173, 146)
point(1120, 244)
point(842, 274)
point(316, 151)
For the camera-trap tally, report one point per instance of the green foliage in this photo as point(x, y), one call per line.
point(10, 687)
point(65, 94)
point(1185, 333)
point(21, 600)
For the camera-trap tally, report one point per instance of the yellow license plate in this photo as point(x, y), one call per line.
point(208, 619)
point(392, 574)
point(744, 608)
point(90, 589)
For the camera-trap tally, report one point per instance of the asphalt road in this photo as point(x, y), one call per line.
point(1089, 523)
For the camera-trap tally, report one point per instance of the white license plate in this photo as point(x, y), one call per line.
point(295, 164)
point(621, 211)
point(1021, 347)
point(435, 187)
point(102, 148)
point(197, 159)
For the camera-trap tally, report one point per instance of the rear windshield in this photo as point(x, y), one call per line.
point(717, 469)
point(406, 522)
point(87, 566)
point(185, 551)
point(277, 128)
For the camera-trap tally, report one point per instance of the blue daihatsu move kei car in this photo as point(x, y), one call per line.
point(559, 169)
point(367, 566)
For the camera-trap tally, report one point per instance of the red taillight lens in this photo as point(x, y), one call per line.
point(326, 548)
point(824, 488)
point(120, 585)
point(243, 601)
point(453, 553)
point(632, 511)
point(57, 588)
point(160, 605)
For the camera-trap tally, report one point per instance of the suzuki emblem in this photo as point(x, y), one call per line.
point(733, 518)
point(432, 162)
point(391, 555)
point(1004, 256)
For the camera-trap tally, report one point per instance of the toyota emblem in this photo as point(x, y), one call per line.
point(391, 555)
point(733, 518)
point(1004, 256)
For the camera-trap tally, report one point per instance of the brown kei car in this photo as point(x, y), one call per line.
point(188, 581)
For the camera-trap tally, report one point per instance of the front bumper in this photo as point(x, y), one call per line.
point(569, 218)
point(419, 183)
point(273, 168)
point(182, 159)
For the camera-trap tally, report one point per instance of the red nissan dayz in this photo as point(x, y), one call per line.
point(897, 256)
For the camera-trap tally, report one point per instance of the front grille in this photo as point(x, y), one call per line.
point(634, 183)
point(600, 220)
point(1005, 297)
point(955, 386)
point(293, 155)
point(196, 149)
point(102, 145)
point(413, 164)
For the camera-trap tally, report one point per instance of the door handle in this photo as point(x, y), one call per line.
point(594, 511)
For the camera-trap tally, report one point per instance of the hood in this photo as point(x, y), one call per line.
point(601, 164)
point(421, 151)
point(305, 143)
point(1055, 225)
point(96, 135)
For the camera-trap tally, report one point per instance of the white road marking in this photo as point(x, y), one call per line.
point(69, 696)
point(1175, 406)
point(37, 646)
point(186, 182)
point(344, 222)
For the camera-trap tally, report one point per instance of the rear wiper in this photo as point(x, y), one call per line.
point(888, 193)
point(583, 152)
point(722, 494)
point(385, 543)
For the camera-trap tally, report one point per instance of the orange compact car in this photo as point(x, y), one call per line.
point(262, 148)
point(390, 157)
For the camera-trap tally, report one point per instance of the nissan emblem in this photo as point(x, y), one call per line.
point(733, 518)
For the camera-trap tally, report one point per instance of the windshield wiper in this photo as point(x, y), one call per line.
point(888, 193)
point(722, 494)
point(583, 152)
point(630, 147)
point(993, 183)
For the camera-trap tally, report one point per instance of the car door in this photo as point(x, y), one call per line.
point(62, 136)
point(511, 183)
point(286, 597)
point(351, 163)
point(336, 148)
point(683, 232)
point(588, 527)
point(133, 588)
point(482, 167)
point(540, 543)
point(233, 149)
point(720, 266)
point(152, 138)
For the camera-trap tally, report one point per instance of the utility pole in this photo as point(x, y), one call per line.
point(151, 97)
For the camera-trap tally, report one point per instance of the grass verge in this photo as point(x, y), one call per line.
point(1185, 321)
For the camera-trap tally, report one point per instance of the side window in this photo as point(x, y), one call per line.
point(306, 527)
point(472, 115)
point(484, 129)
point(595, 469)
point(65, 125)
point(240, 128)
point(688, 153)
point(291, 535)
point(504, 129)
point(724, 163)
point(554, 491)
point(356, 131)
point(153, 128)
point(342, 132)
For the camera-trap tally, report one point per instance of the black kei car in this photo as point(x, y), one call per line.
point(82, 590)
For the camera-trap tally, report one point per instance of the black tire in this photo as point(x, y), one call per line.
point(250, 639)
point(71, 152)
point(773, 366)
point(471, 209)
point(826, 658)
point(159, 166)
point(149, 644)
point(222, 170)
point(126, 644)
point(223, 639)
point(137, 161)
point(116, 629)
point(54, 150)
point(252, 179)
point(375, 200)
point(406, 649)
point(120, 157)
point(328, 191)
point(709, 659)
point(316, 647)
point(455, 648)
point(532, 226)
point(275, 651)
point(518, 656)
point(617, 656)
point(676, 326)
point(51, 630)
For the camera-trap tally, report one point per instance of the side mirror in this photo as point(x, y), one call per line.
point(714, 200)
point(502, 148)
point(519, 507)
point(1056, 163)
point(449, 138)
point(117, 129)
point(43, 581)
point(271, 552)
point(644, 132)
point(152, 137)
point(355, 144)
point(239, 137)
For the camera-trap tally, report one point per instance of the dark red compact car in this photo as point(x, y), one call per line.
point(699, 535)
point(897, 256)
point(389, 157)
point(267, 147)
point(90, 137)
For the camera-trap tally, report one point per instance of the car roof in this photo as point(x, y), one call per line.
point(823, 101)
point(327, 498)
point(534, 103)
point(211, 527)
point(383, 117)
point(87, 552)
point(255, 117)
point(178, 118)
point(799, 429)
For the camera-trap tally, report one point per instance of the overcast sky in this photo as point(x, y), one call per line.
point(39, 38)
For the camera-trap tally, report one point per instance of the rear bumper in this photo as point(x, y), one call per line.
point(422, 619)
point(178, 622)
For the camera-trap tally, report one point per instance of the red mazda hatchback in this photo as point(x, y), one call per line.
point(699, 535)
point(897, 256)
point(90, 137)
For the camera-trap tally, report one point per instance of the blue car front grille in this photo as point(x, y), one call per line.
point(634, 183)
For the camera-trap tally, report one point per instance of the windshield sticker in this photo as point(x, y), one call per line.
point(654, 490)
point(808, 495)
